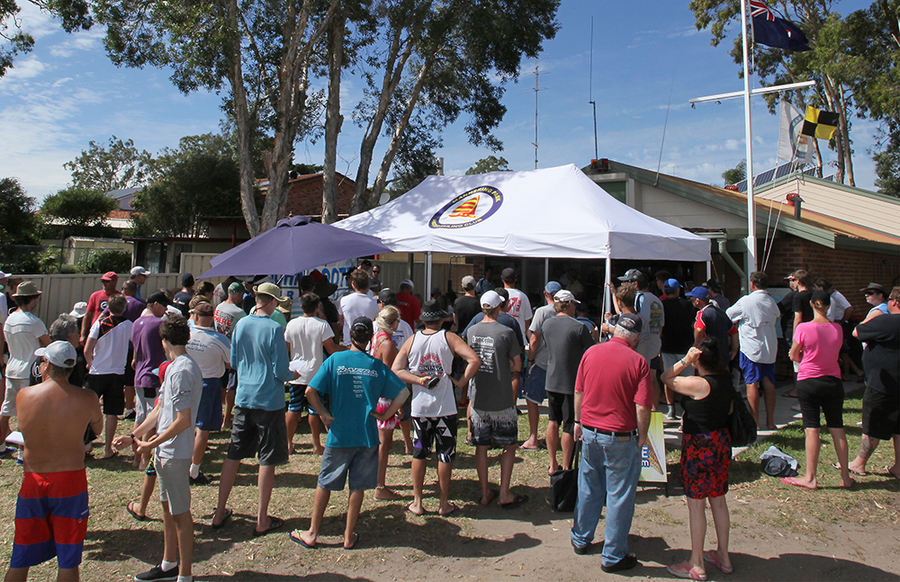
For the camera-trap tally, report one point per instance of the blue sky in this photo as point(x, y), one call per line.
point(67, 93)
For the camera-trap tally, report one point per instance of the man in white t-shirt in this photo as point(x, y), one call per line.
point(212, 352)
point(650, 308)
point(518, 305)
point(4, 311)
point(229, 312)
point(25, 333)
point(358, 303)
point(308, 337)
point(173, 417)
point(106, 356)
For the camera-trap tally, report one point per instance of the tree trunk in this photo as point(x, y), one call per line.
point(381, 179)
point(243, 125)
point(333, 119)
point(845, 131)
point(393, 73)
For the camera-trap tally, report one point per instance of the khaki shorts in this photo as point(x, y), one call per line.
point(174, 484)
point(13, 385)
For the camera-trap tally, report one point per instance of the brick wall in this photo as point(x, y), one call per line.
point(847, 270)
point(305, 195)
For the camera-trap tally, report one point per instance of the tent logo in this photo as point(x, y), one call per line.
point(468, 209)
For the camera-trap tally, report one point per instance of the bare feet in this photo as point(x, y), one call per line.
point(382, 493)
point(486, 499)
point(771, 426)
point(797, 482)
point(447, 509)
point(553, 468)
point(415, 508)
point(319, 450)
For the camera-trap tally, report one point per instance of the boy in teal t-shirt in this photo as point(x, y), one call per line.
point(353, 381)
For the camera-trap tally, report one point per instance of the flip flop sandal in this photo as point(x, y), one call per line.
point(711, 557)
point(685, 570)
point(221, 524)
point(355, 542)
point(857, 473)
point(274, 523)
point(517, 501)
point(134, 513)
point(295, 537)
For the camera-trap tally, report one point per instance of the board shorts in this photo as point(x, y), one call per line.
point(51, 519)
point(533, 383)
point(498, 427)
point(438, 431)
point(562, 410)
point(209, 413)
point(359, 463)
point(261, 433)
point(705, 462)
point(111, 389)
point(755, 372)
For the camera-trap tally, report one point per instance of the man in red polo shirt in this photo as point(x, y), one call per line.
point(409, 306)
point(98, 302)
point(613, 395)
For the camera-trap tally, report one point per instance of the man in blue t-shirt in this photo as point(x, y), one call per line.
point(353, 381)
point(259, 354)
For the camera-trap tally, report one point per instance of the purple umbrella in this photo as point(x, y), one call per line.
point(294, 245)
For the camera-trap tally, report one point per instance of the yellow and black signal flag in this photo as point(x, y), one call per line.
point(819, 124)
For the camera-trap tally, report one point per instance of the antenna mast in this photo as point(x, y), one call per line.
point(591, 90)
point(536, 89)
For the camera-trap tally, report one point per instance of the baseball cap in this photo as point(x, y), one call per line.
point(631, 275)
point(699, 292)
point(508, 273)
point(187, 280)
point(468, 282)
point(671, 284)
point(387, 297)
point(270, 289)
point(431, 311)
point(3, 275)
point(565, 295)
point(407, 282)
point(109, 276)
point(158, 297)
point(59, 353)
point(631, 322)
point(552, 288)
point(790, 276)
point(79, 309)
point(491, 299)
point(172, 310)
point(714, 285)
point(235, 288)
point(139, 271)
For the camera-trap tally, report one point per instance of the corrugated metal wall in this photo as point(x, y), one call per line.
point(61, 292)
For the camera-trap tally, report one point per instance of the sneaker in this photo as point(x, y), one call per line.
point(20, 460)
point(7, 451)
point(130, 415)
point(156, 573)
point(626, 563)
point(201, 479)
point(670, 415)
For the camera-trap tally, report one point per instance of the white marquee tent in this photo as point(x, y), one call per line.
point(556, 212)
point(550, 213)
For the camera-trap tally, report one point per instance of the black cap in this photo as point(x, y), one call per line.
point(363, 323)
point(387, 297)
point(187, 280)
point(159, 297)
point(631, 322)
point(508, 274)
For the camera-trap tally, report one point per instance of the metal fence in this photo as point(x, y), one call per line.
point(61, 292)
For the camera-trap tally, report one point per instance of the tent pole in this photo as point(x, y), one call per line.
point(546, 270)
point(410, 263)
point(607, 292)
point(428, 264)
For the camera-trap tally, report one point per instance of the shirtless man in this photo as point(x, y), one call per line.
point(53, 501)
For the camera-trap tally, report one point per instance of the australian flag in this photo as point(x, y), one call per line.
point(776, 32)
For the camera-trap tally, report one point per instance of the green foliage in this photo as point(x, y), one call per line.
point(118, 166)
point(49, 260)
point(887, 167)
point(489, 164)
point(78, 208)
point(18, 224)
point(101, 261)
point(72, 14)
point(735, 174)
point(197, 180)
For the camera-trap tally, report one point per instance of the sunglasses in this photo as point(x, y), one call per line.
point(869, 293)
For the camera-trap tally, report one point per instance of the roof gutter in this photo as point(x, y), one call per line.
point(723, 252)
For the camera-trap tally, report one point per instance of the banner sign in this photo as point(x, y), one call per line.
point(653, 454)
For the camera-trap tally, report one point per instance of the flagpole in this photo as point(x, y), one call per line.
point(751, 202)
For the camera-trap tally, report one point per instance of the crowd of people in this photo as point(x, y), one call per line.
point(182, 364)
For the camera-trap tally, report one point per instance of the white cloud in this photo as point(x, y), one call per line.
point(27, 68)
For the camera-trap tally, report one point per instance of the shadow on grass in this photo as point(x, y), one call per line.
point(251, 575)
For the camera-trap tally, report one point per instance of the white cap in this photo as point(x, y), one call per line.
point(3, 275)
point(491, 299)
point(172, 310)
point(59, 353)
point(139, 271)
point(407, 282)
point(79, 309)
point(565, 295)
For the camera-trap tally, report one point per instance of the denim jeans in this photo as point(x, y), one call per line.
point(608, 474)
